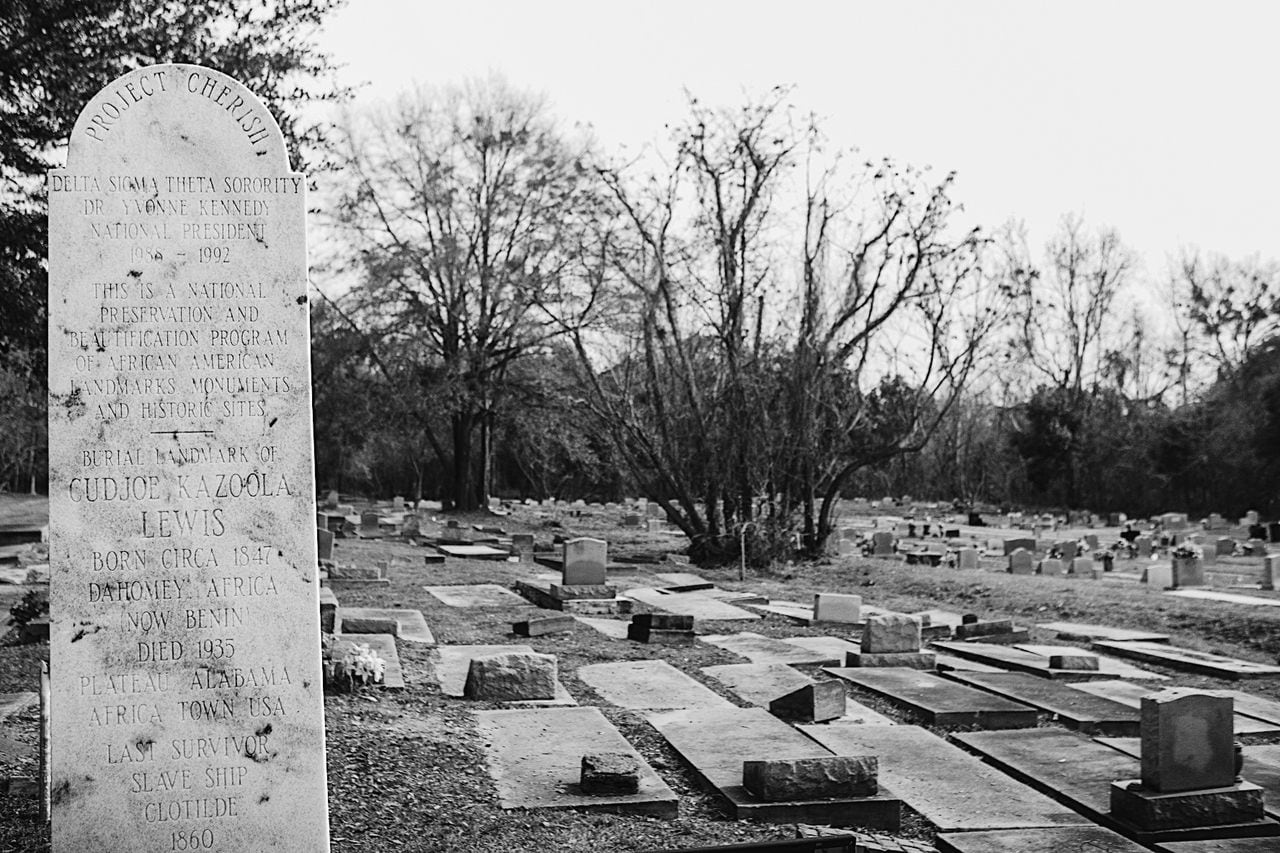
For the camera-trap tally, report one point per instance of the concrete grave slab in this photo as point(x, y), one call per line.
point(1219, 845)
point(476, 595)
point(1078, 772)
point(758, 648)
point(1256, 707)
point(546, 594)
point(615, 628)
point(649, 685)
point(950, 788)
point(385, 647)
point(452, 663)
point(1075, 709)
point(1021, 660)
point(937, 700)
point(833, 649)
point(716, 742)
point(473, 552)
point(1066, 839)
point(762, 683)
point(683, 582)
point(534, 756)
point(698, 606)
point(411, 625)
point(1078, 630)
point(1189, 660)
point(1130, 694)
point(951, 663)
point(1229, 597)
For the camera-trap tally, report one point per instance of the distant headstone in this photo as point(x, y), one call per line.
point(882, 544)
point(585, 561)
point(1051, 566)
point(370, 523)
point(1270, 569)
point(1011, 545)
point(1158, 576)
point(846, 548)
point(187, 685)
point(1021, 562)
point(412, 525)
point(837, 607)
point(324, 545)
point(1187, 741)
point(1224, 545)
point(1187, 571)
point(967, 558)
point(1082, 566)
point(1143, 546)
point(1067, 549)
point(331, 500)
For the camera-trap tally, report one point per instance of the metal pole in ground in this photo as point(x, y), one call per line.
point(44, 741)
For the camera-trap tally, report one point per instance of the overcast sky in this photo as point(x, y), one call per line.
point(1156, 118)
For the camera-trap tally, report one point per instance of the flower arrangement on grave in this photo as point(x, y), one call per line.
point(1186, 551)
point(349, 665)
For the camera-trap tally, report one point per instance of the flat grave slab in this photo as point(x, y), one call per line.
point(700, 607)
point(615, 628)
point(473, 552)
point(1219, 845)
point(717, 741)
point(758, 648)
point(649, 685)
point(1229, 597)
point(1128, 693)
point(1067, 839)
point(538, 591)
point(937, 700)
point(385, 646)
point(833, 649)
point(534, 756)
point(950, 663)
point(758, 683)
point(1021, 660)
point(1256, 707)
point(1075, 709)
point(683, 581)
point(952, 789)
point(1079, 772)
point(1079, 630)
point(411, 625)
point(476, 595)
point(452, 663)
point(1109, 667)
point(1189, 660)
point(801, 614)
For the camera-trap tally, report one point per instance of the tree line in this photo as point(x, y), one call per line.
point(743, 324)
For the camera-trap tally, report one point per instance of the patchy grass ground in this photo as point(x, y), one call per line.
point(406, 769)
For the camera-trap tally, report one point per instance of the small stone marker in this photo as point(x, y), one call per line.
point(1187, 741)
point(328, 609)
point(812, 703)
point(324, 545)
point(606, 774)
point(1270, 568)
point(1021, 562)
point(667, 628)
point(1077, 661)
point(412, 525)
point(187, 685)
point(967, 558)
point(370, 524)
point(783, 779)
point(585, 561)
point(837, 607)
point(543, 625)
point(1012, 545)
point(1158, 576)
point(511, 677)
point(882, 544)
point(1143, 546)
point(1187, 571)
point(891, 632)
point(1050, 566)
point(1082, 566)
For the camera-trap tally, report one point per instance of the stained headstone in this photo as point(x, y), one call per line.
point(882, 544)
point(889, 633)
point(1224, 545)
point(1021, 562)
point(1158, 576)
point(370, 524)
point(412, 525)
point(1082, 566)
point(1011, 545)
point(585, 561)
point(1187, 571)
point(324, 545)
point(1051, 566)
point(967, 558)
point(837, 607)
point(1270, 568)
point(187, 686)
point(1187, 741)
point(1067, 548)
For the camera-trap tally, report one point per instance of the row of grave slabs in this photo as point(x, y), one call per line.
point(977, 808)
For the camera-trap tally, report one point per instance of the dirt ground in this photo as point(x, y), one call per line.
point(406, 770)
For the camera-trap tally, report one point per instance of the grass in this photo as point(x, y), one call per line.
point(406, 770)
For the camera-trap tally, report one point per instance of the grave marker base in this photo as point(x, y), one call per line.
point(1152, 811)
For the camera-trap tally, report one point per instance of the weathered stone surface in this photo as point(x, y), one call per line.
point(782, 779)
point(585, 561)
point(543, 625)
point(1025, 543)
point(1051, 566)
point(324, 545)
point(179, 383)
point(328, 609)
point(370, 625)
point(511, 677)
point(836, 607)
point(1083, 662)
point(1187, 571)
point(890, 633)
point(610, 773)
point(967, 558)
point(576, 592)
point(970, 630)
point(813, 703)
point(1187, 741)
point(1021, 562)
point(663, 621)
point(910, 660)
point(660, 636)
point(1150, 810)
point(882, 544)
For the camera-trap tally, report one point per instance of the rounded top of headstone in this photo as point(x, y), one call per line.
point(173, 114)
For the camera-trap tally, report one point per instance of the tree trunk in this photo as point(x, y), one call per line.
point(463, 491)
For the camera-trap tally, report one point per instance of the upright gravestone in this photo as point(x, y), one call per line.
point(585, 562)
point(187, 708)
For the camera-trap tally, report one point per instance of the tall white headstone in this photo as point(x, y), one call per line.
point(187, 707)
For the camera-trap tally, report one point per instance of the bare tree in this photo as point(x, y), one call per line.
point(1231, 306)
point(464, 208)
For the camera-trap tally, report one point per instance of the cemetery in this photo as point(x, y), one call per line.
point(284, 583)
